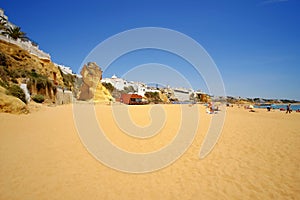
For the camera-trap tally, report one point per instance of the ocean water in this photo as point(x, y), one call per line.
point(278, 106)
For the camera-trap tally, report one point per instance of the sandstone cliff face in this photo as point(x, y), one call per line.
point(20, 61)
point(91, 87)
point(40, 75)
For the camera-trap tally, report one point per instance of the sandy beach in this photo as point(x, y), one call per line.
point(256, 157)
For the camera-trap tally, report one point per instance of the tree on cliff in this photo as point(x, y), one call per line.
point(15, 32)
point(3, 24)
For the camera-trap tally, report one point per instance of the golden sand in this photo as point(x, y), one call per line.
point(256, 157)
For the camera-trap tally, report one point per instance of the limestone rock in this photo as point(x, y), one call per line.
point(11, 104)
point(92, 88)
point(102, 94)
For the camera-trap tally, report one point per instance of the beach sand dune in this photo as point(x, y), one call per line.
point(256, 157)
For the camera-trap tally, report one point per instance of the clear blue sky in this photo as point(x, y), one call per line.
point(254, 43)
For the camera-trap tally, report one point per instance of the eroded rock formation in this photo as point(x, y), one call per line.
point(91, 87)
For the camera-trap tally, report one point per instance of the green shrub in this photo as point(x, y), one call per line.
point(129, 89)
point(33, 74)
point(16, 91)
point(38, 98)
point(14, 80)
point(3, 60)
point(14, 74)
point(3, 73)
point(41, 83)
point(153, 97)
point(3, 84)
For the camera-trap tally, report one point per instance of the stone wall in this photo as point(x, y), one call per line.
point(63, 96)
point(27, 45)
point(181, 95)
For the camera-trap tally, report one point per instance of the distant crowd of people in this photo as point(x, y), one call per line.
point(211, 108)
point(288, 109)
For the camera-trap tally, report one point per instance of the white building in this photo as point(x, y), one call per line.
point(65, 69)
point(143, 89)
point(140, 88)
point(25, 44)
point(182, 94)
point(119, 83)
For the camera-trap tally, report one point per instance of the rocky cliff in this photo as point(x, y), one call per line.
point(19, 64)
point(41, 76)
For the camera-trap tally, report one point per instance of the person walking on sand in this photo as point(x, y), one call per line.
point(288, 108)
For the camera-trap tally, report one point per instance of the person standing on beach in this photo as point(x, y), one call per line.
point(288, 108)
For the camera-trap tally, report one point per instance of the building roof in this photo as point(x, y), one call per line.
point(133, 95)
